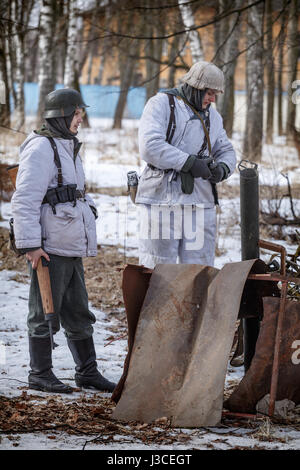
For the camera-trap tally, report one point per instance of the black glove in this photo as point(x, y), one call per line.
point(219, 173)
point(200, 168)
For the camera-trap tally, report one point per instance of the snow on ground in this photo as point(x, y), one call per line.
point(108, 155)
point(14, 360)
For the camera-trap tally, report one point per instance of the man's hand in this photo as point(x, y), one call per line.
point(218, 173)
point(34, 256)
point(200, 168)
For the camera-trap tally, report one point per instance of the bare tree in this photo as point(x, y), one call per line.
point(229, 45)
point(254, 83)
point(293, 52)
point(72, 59)
point(154, 26)
point(4, 85)
point(281, 43)
point(270, 72)
point(20, 11)
point(194, 36)
point(47, 75)
point(106, 43)
point(127, 63)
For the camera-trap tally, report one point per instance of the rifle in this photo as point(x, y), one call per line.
point(42, 274)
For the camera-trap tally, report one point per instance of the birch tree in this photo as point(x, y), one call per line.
point(47, 76)
point(71, 65)
point(254, 83)
point(194, 36)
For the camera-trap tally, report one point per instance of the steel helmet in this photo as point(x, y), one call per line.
point(63, 102)
point(204, 75)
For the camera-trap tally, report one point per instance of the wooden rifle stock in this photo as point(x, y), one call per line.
point(13, 171)
point(42, 273)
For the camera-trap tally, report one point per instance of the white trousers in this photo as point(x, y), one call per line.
point(177, 234)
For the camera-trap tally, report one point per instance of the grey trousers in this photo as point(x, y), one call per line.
point(177, 234)
point(70, 300)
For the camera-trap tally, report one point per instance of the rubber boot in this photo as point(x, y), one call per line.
point(87, 374)
point(41, 376)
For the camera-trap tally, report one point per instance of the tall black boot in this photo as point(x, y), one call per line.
point(41, 376)
point(87, 374)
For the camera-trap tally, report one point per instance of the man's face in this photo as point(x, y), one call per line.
point(77, 120)
point(209, 97)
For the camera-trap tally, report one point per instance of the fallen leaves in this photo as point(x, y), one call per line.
point(87, 415)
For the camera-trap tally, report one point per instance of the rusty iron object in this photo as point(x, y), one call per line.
point(277, 248)
point(173, 367)
point(135, 284)
point(258, 380)
point(258, 284)
point(284, 279)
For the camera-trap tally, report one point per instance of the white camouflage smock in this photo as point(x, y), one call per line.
point(157, 187)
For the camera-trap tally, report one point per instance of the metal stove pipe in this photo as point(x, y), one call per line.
point(249, 210)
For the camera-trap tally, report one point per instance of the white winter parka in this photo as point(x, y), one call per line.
point(72, 230)
point(159, 187)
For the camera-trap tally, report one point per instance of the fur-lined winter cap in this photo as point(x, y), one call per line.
point(204, 75)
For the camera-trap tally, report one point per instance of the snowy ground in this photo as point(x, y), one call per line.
point(108, 155)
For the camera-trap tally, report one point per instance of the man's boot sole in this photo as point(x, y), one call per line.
point(44, 389)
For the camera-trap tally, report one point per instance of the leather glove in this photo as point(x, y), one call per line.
point(219, 173)
point(200, 168)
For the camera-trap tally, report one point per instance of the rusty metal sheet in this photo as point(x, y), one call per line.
point(257, 381)
point(135, 283)
point(182, 343)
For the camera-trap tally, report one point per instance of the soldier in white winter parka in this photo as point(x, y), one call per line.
point(183, 142)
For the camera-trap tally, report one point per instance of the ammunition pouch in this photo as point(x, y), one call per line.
point(62, 194)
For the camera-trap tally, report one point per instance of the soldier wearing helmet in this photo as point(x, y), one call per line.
point(183, 142)
point(55, 219)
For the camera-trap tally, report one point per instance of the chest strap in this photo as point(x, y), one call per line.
point(56, 161)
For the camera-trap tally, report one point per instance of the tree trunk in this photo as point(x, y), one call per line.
point(127, 64)
point(194, 36)
point(270, 73)
point(254, 84)
point(20, 11)
point(106, 45)
point(4, 86)
point(18, 39)
point(61, 42)
point(293, 50)
point(221, 32)
point(47, 74)
point(172, 69)
point(230, 48)
point(282, 36)
point(71, 65)
point(127, 72)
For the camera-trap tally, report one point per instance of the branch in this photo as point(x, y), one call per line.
point(186, 30)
